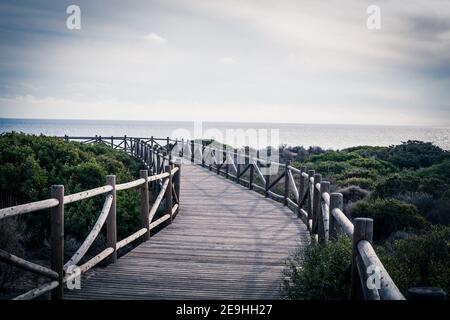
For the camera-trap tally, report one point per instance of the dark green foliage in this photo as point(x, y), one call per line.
point(320, 272)
point(389, 216)
point(409, 189)
point(420, 261)
point(415, 154)
point(30, 164)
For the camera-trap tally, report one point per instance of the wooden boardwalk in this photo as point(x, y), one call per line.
point(226, 243)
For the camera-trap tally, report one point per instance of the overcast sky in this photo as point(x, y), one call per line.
point(254, 61)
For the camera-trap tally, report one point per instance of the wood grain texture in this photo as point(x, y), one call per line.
point(225, 243)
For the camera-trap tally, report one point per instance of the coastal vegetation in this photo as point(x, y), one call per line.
point(405, 190)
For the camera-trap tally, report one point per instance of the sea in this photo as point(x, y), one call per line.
point(259, 135)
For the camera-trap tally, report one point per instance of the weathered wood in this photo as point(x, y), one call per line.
point(286, 183)
point(158, 177)
point(130, 185)
point(309, 204)
point(343, 222)
point(156, 223)
point(252, 170)
point(388, 290)
point(238, 165)
point(34, 293)
point(86, 194)
point(98, 258)
point(87, 243)
point(145, 204)
point(267, 185)
point(324, 213)
point(168, 195)
point(158, 200)
point(363, 230)
point(293, 187)
point(336, 202)
point(28, 207)
point(177, 181)
point(122, 243)
point(57, 240)
point(302, 188)
point(111, 221)
point(27, 265)
point(225, 161)
point(316, 203)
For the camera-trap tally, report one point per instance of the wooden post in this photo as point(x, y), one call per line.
point(125, 143)
point(310, 197)
point(286, 183)
point(266, 187)
point(177, 181)
point(66, 138)
point(158, 162)
point(111, 224)
point(302, 188)
point(210, 158)
point(152, 155)
point(363, 230)
point(336, 202)
point(247, 155)
point(225, 162)
point(145, 205)
point(323, 219)
point(112, 142)
point(238, 166)
point(316, 203)
point(192, 151)
point(203, 153)
point(169, 153)
point(182, 147)
point(57, 240)
point(252, 170)
point(168, 194)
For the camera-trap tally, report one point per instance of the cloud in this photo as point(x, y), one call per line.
point(227, 60)
point(153, 37)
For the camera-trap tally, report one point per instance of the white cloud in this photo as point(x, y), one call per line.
point(227, 60)
point(153, 37)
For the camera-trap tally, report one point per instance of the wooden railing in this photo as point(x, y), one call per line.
point(163, 181)
point(309, 197)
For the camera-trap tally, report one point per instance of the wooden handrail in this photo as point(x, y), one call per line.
point(28, 207)
point(79, 254)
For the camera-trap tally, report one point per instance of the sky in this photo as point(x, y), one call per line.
point(293, 61)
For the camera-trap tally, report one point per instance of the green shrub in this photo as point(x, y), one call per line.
point(30, 164)
point(421, 261)
point(360, 182)
point(416, 154)
point(319, 272)
point(389, 216)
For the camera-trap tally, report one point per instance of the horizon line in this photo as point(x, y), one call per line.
point(234, 122)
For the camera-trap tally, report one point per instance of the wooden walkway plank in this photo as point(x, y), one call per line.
point(226, 243)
